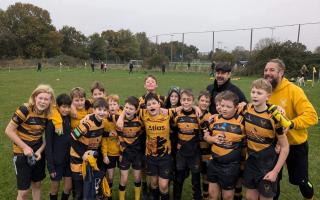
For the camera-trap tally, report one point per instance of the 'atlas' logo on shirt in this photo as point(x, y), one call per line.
point(156, 128)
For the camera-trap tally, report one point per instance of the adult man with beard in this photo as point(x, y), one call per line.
point(302, 115)
point(222, 83)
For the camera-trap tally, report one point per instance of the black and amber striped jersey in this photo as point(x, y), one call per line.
point(130, 136)
point(234, 135)
point(142, 104)
point(261, 129)
point(157, 132)
point(110, 144)
point(86, 136)
point(80, 115)
point(30, 128)
point(187, 123)
point(205, 147)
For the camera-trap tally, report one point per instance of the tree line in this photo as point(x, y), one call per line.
point(26, 31)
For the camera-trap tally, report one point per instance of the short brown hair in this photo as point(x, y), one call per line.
point(188, 92)
point(97, 85)
point(230, 96)
point(262, 84)
point(279, 62)
point(77, 92)
point(134, 101)
point(205, 93)
point(100, 103)
point(113, 97)
point(218, 97)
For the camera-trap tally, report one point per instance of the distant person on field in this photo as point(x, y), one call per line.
point(130, 67)
point(213, 66)
point(39, 67)
point(188, 66)
point(304, 71)
point(163, 68)
point(105, 67)
point(101, 66)
point(92, 66)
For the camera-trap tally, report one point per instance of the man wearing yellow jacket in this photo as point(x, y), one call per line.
point(302, 114)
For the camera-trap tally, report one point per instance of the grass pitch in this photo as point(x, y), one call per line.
point(17, 85)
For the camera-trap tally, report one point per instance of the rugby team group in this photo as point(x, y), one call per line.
point(224, 142)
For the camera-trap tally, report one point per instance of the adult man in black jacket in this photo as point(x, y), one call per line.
point(222, 83)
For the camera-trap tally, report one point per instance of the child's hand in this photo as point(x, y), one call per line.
point(211, 118)
point(38, 155)
point(86, 154)
point(27, 151)
point(198, 111)
point(241, 105)
point(164, 111)
point(85, 119)
point(219, 138)
point(106, 160)
point(271, 176)
point(53, 174)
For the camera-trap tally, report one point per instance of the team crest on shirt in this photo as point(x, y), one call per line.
point(263, 122)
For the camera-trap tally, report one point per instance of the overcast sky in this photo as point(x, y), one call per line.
point(176, 16)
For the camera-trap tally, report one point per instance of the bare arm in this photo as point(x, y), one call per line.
point(11, 133)
point(120, 121)
point(284, 151)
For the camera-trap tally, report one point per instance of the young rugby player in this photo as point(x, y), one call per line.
point(110, 145)
point(188, 149)
point(86, 140)
point(131, 147)
point(158, 147)
point(25, 129)
point(263, 132)
point(150, 84)
point(205, 152)
point(79, 106)
point(227, 142)
point(58, 148)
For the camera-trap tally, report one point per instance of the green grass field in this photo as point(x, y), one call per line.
point(17, 85)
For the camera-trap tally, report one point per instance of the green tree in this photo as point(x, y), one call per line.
point(156, 60)
point(240, 53)
point(223, 56)
point(30, 27)
point(121, 45)
point(145, 46)
point(74, 42)
point(97, 47)
point(293, 54)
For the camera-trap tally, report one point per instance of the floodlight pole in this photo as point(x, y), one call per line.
point(182, 47)
point(212, 41)
point(298, 39)
point(171, 48)
point(251, 39)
